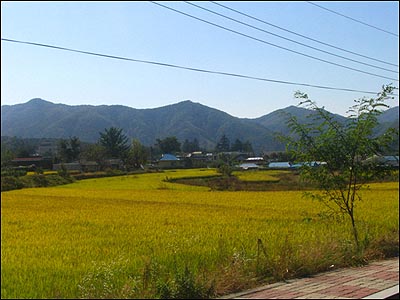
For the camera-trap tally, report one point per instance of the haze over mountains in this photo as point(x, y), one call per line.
point(38, 118)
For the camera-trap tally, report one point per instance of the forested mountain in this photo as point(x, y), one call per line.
point(186, 120)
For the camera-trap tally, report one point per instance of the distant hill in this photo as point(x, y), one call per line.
point(276, 121)
point(38, 118)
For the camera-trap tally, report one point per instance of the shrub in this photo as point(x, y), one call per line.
point(184, 286)
point(9, 183)
point(225, 170)
point(13, 172)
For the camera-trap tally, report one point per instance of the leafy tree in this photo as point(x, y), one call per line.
point(95, 152)
point(247, 147)
point(344, 148)
point(75, 146)
point(223, 144)
point(237, 146)
point(169, 145)
point(190, 146)
point(225, 169)
point(69, 150)
point(137, 155)
point(20, 147)
point(6, 156)
point(114, 142)
point(63, 150)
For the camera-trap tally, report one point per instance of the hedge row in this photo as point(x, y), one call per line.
point(9, 183)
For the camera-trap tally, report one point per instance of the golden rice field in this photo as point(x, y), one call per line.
point(137, 236)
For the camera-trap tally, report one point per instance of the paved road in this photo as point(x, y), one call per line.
point(377, 280)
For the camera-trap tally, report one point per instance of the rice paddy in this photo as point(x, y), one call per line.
point(141, 236)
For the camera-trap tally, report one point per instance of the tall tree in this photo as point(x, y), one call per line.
point(344, 148)
point(75, 145)
point(247, 147)
point(115, 142)
point(223, 144)
point(190, 146)
point(237, 146)
point(69, 150)
point(63, 150)
point(169, 145)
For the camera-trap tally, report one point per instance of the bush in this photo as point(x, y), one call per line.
point(9, 183)
point(225, 170)
point(13, 172)
point(184, 286)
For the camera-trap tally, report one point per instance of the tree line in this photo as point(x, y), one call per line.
point(114, 144)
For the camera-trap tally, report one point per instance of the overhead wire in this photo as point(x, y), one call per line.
point(290, 40)
point(187, 68)
point(303, 36)
point(355, 20)
point(271, 44)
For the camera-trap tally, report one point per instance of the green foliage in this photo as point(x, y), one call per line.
point(38, 170)
point(169, 145)
point(69, 150)
point(225, 170)
point(63, 172)
point(36, 180)
point(240, 146)
point(343, 147)
point(9, 183)
point(12, 172)
point(103, 281)
point(190, 146)
point(223, 144)
point(114, 142)
point(137, 155)
point(95, 152)
point(6, 156)
point(184, 285)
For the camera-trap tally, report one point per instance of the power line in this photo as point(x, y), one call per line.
point(186, 68)
point(358, 21)
point(293, 41)
point(303, 36)
point(271, 44)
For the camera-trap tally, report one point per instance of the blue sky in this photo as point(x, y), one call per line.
point(145, 31)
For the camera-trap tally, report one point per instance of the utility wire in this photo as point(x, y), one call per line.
point(186, 68)
point(271, 44)
point(303, 36)
point(293, 41)
point(358, 21)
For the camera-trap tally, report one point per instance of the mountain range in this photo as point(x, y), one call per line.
point(38, 118)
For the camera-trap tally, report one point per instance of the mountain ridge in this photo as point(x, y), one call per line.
point(40, 118)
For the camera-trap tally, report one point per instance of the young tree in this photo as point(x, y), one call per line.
point(137, 155)
point(343, 147)
point(94, 152)
point(115, 142)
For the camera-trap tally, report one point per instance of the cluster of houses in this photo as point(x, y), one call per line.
point(197, 159)
point(191, 160)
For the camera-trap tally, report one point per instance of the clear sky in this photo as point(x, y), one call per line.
point(145, 31)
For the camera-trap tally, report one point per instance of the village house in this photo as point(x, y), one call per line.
point(32, 162)
point(169, 161)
